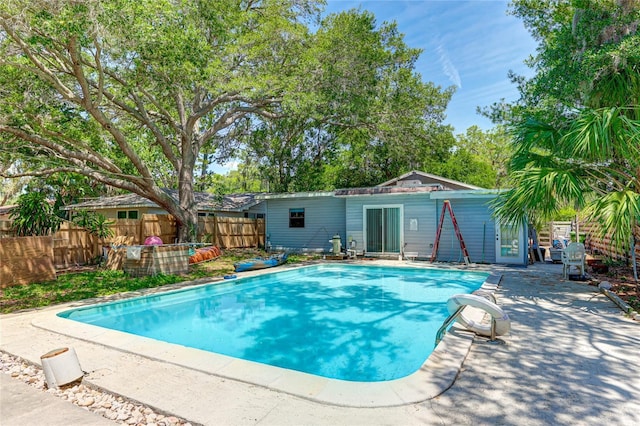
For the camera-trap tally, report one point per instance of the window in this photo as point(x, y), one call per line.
point(130, 214)
point(296, 218)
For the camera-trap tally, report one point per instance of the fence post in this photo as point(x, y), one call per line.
point(214, 237)
point(256, 235)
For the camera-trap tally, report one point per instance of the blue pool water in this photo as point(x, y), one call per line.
point(349, 322)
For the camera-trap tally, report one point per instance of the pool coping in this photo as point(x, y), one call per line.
point(435, 376)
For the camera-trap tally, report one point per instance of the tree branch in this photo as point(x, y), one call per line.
point(125, 184)
point(40, 69)
point(67, 154)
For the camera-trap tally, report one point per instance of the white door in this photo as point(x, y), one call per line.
point(511, 244)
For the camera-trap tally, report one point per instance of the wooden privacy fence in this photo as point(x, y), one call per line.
point(594, 243)
point(73, 245)
point(5, 228)
point(24, 260)
point(590, 235)
point(231, 232)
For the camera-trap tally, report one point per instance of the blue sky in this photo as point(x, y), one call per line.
point(468, 44)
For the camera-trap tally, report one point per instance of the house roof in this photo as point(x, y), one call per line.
point(414, 182)
point(416, 177)
point(376, 190)
point(204, 202)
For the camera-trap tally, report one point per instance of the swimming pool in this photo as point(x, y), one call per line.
point(348, 322)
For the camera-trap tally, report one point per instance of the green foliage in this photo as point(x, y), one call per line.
point(565, 214)
point(492, 148)
point(465, 167)
point(138, 94)
point(128, 93)
point(34, 216)
point(591, 163)
point(576, 127)
point(242, 180)
point(96, 223)
point(365, 118)
point(589, 56)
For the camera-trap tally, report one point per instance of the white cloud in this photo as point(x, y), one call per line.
point(447, 66)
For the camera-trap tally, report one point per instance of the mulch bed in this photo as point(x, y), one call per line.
point(622, 282)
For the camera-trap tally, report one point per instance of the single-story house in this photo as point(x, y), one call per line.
point(133, 206)
point(399, 217)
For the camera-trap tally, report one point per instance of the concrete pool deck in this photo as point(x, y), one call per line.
point(570, 358)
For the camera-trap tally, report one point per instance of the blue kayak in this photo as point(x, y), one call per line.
point(260, 263)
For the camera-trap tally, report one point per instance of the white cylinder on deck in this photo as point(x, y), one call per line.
point(61, 366)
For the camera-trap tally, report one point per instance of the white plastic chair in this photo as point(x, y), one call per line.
point(573, 255)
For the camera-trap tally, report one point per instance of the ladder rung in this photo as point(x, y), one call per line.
point(436, 244)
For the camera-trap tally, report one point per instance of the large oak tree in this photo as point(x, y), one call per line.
point(130, 92)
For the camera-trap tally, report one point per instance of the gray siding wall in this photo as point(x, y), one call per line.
point(477, 229)
point(417, 208)
point(473, 216)
point(421, 210)
point(324, 217)
point(354, 221)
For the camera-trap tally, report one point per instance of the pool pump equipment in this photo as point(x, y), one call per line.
point(337, 244)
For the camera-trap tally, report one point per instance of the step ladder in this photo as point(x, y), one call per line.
point(463, 247)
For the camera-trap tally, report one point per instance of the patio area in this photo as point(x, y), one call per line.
point(571, 358)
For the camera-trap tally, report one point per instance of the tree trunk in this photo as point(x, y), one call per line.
point(188, 221)
point(188, 227)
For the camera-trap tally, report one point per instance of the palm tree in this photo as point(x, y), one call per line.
point(590, 156)
point(591, 161)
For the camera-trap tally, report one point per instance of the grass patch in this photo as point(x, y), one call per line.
point(70, 287)
point(77, 286)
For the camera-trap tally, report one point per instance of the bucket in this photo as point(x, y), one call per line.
point(61, 367)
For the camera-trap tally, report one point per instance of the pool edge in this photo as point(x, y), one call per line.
point(435, 376)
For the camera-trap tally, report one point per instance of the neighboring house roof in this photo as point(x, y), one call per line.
point(7, 209)
point(309, 194)
point(204, 202)
point(416, 177)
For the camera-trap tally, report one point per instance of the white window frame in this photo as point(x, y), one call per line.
point(366, 207)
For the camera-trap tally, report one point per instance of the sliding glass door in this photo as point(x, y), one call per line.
point(382, 229)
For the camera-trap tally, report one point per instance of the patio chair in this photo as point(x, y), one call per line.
point(573, 255)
